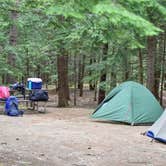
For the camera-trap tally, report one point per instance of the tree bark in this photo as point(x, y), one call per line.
point(126, 65)
point(140, 59)
point(113, 79)
point(151, 45)
point(3, 79)
point(75, 81)
point(95, 91)
point(27, 62)
point(101, 94)
point(13, 35)
point(79, 71)
point(101, 91)
point(163, 75)
point(63, 89)
point(158, 65)
point(82, 66)
point(91, 85)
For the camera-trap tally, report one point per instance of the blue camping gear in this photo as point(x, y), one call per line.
point(34, 83)
point(18, 86)
point(39, 95)
point(158, 131)
point(11, 107)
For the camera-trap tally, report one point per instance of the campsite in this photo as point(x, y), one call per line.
point(68, 137)
point(83, 83)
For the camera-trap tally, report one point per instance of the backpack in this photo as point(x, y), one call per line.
point(11, 107)
point(39, 95)
point(4, 92)
point(19, 87)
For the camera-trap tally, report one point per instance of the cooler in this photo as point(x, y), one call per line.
point(34, 83)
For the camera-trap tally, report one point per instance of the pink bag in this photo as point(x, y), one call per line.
point(4, 92)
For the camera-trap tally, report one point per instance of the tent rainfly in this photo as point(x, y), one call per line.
point(158, 130)
point(131, 103)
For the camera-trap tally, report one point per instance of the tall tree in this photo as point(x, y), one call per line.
point(81, 74)
point(103, 76)
point(151, 63)
point(140, 59)
point(62, 63)
point(13, 35)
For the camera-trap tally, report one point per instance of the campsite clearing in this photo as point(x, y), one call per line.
point(67, 137)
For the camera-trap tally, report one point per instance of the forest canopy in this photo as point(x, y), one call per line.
point(75, 43)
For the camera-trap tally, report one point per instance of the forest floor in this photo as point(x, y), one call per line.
point(68, 137)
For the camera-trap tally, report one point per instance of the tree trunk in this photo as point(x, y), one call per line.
point(140, 59)
point(163, 70)
point(3, 79)
point(82, 75)
point(38, 71)
point(27, 63)
point(126, 65)
point(157, 84)
point(13, 34)
point(113, 79)
point(75, 81)
point(95, 91)
point(91, 85)
point(63, 89)
point(79, 71)
point(158, 65)
point(101, 94)
point(151, 44)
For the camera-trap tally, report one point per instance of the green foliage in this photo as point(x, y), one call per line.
point(126, 19)
point(46, 27)
point(67, 10)
point(151, 10)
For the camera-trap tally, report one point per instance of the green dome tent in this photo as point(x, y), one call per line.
point(130, 102)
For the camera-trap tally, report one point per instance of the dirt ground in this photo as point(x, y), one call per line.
point(68, 137)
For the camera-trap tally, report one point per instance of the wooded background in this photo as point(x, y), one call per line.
point(84, 43)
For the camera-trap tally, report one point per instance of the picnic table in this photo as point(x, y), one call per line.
point(24, 100)
point(39, 106)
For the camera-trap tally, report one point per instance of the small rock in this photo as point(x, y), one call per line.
point(42, 154)
point(89, 154)
point(17, 139)
point(89, 147)
point(3, 143)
